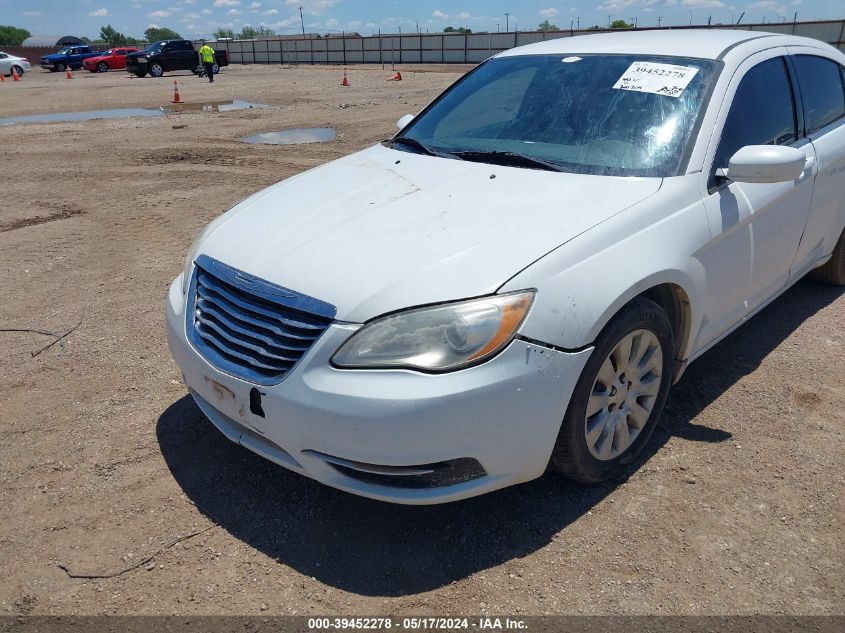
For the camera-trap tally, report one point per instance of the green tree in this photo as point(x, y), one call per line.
point(112, 36)
point(547, 26)
point(155, 34)
point(621, 24)
point(460, 29)
point(248, 33)
point(222, 34)
point(12, 35)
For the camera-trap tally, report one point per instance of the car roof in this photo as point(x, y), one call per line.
point(700, 43)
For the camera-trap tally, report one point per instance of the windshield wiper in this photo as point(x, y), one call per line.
point(414, 143)
point(508, 159)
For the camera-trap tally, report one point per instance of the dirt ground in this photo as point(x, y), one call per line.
point(109, 469)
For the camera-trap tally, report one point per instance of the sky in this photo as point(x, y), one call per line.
point(196, 18)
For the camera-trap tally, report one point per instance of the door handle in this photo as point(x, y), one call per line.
point(810, 162)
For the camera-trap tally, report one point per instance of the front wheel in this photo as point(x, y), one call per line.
point(156, 70)
point(833, 272)
point(140, 75)
point(215, 69)
point(619, 396)
point(103, 67)
point(60, 67)
point(18, 70)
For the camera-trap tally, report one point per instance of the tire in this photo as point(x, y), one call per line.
point(19, 70)
point(215, 69)
point(60, 67)
point(102, 67)
point(590, 449)
point(156, 70)
point(833, 272)
point(140, 75)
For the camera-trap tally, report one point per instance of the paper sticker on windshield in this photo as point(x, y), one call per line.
point(659, 79)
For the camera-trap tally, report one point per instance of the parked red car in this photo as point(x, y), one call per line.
point(114, 59)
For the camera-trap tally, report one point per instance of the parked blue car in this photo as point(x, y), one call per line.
point(69, 56)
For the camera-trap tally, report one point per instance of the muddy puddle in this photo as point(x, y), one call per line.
point(124, 113)
point(296, 136)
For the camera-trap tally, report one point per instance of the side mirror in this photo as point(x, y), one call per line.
point(401, 123)
point(765, 163)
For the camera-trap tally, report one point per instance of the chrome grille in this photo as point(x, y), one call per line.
point(248, 327)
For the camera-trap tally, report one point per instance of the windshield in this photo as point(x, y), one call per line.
point(620, 115)
point(152, 48)
point(64, 51)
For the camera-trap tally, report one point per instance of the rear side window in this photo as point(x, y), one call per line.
point(762, 112)
point(821, 88)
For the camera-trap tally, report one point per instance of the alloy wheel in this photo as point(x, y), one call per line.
point(623, 395)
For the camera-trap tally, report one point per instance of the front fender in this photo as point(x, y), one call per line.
point(583, 283)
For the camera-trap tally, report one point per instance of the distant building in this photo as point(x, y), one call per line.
point(51, 41)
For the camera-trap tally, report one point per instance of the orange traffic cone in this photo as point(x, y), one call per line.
point(345, 81)
point(15, 76)
point(69, 73)
point(176, 97)
point(3, 77)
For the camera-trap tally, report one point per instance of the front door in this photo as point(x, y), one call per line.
point(755, 228)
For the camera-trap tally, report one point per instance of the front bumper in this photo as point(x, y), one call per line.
point(329, 424)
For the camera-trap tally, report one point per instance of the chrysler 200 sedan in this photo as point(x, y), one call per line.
point(515, 279)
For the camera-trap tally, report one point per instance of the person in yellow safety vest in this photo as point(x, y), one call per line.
point(206, 54)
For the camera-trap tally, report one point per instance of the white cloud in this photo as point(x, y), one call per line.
point(548, 13)
point(312, 7)
point(332, 23)
point(99, 13)
point(255, 5)
point(234, 12)
point(189, 2)
point(270, 12)
point(226, 3)
point(769, 5)
point(463, 15)
point(158, 15)
point(32, 13)
point(440, 15)
point(207, 11)
point(702, 4)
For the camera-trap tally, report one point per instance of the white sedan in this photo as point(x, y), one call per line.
point(515, 280)
point(8, 62)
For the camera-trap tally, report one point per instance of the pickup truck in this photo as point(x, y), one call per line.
point(69, 56)
point(169, 55)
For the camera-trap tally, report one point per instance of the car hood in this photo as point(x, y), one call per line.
point(99, 58)
point(383, 229)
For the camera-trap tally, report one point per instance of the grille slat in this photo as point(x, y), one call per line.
point(255, 322)
point(243, 342)
point(232, 351)
point(248, 327)
point(210, 285)
point(244, 330)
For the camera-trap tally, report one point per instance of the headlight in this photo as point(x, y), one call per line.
point(440, 338)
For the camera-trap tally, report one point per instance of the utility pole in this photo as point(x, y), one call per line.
point(659, 20)
point(578, 23)
point(507, 22)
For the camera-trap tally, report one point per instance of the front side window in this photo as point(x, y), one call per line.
point(821, 89)
point(568, 110)
point(762, 112)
